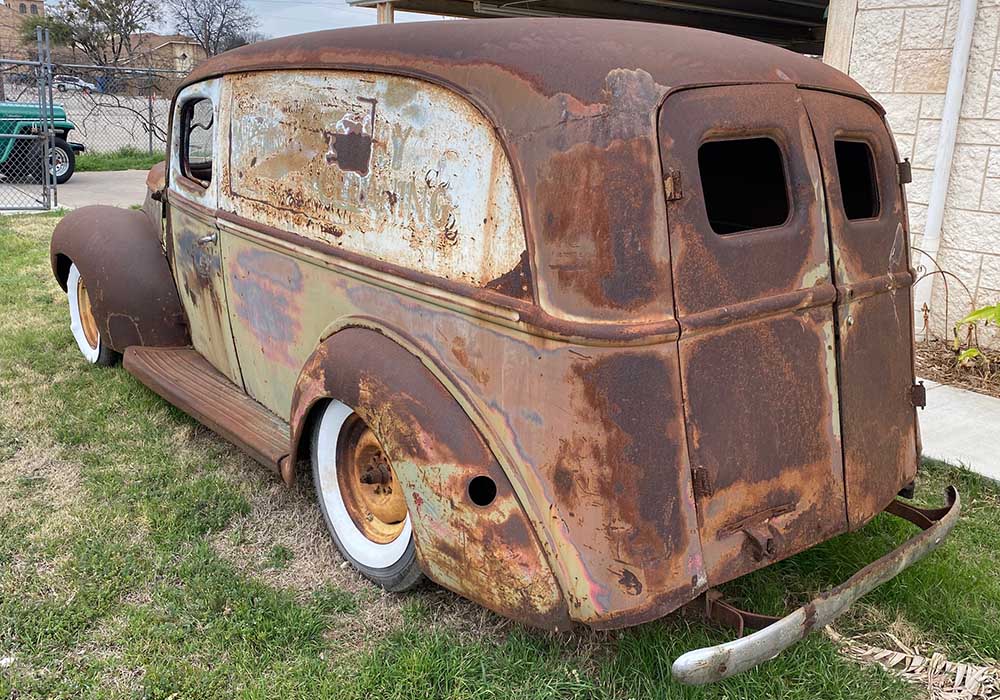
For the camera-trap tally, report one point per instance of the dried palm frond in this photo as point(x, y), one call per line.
point(943, 679)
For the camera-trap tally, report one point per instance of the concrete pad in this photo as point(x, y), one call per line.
point(119, 188)
point(960, 426)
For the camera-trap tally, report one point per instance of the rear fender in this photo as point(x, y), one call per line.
point(490, 553)
point(132, 292)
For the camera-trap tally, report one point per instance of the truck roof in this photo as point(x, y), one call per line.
point(575, 104)
point(552, 55)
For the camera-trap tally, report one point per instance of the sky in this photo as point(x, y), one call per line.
point(283, 17)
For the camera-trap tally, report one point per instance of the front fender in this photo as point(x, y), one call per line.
point(490, 553)
point(132, 292)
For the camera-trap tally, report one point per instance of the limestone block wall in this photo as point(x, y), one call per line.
point(901, 53)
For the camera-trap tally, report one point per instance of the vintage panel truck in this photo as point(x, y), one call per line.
point(578, 318)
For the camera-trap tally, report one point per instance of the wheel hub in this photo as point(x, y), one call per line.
point(373, 496)
point(60, 162)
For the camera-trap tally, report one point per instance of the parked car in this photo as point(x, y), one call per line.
point(579, 319)
point(64, 83)
point(21, 159)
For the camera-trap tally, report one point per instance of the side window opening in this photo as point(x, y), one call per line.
point(858, 183)
point(743, 181)
point(197, 139)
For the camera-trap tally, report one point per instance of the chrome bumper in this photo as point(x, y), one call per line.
point(724, 660)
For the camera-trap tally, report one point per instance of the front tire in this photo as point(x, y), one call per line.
point(83, 324)
point(361, 500)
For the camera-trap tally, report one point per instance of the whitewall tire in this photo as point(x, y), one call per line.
point(82, 322)
point(361, 501)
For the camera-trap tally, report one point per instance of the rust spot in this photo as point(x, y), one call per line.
point(350, 151)
point(474, 365)
point(350, 145)
point(332, 230)
point(629, 582)
point(516, 282)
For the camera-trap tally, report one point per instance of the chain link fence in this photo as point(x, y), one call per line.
point(112, 109)
point(28, 135)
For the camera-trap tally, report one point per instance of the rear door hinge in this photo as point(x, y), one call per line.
point(905, 172)
point(672, 186)
point(701, 482)
point(918, 394)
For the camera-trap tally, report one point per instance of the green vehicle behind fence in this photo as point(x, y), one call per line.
point(20, 159)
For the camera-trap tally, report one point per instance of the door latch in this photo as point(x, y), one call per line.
point(762, 538)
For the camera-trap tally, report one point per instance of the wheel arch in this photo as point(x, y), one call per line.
point(490, 554)
point(118, 253)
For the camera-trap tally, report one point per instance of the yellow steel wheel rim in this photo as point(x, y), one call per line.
point(87, 319)
point(368, 484)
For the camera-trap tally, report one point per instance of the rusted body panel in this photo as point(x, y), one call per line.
point(200, 283)
point(135, 303)
point(433, 190)
point(490, 554)
point(490, 241)
point(605, 483)
point(874, 312)
point(758, 362)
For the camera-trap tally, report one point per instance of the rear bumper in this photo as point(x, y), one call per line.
point(724, 660)
point(77, 147)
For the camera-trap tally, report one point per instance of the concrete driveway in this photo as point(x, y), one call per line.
point(120, 188)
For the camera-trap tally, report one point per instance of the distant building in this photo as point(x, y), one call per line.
point(12, 15)
point(166, 51)
point(28, 8)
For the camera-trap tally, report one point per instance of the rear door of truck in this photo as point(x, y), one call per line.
point(871, 269)
point(754, 294)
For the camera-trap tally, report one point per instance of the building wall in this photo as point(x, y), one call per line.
point(11, 18)
point(27, 8)
point(901, 53)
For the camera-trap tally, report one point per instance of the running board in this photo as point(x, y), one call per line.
point(187, 380)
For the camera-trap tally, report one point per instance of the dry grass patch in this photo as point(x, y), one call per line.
point(289, 520)
point(35, 226)
point(35, 477)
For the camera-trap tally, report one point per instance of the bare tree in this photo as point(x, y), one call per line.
point(238, 40)
point(102, 29)
point(216, 25)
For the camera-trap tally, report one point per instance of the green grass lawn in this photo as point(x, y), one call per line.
point(126, 158)
point(141, 556)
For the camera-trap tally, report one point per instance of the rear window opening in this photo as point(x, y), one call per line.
point(858, 186)
point(743, 181)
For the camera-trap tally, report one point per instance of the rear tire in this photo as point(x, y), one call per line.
point(63, 161)
point(83, 325)
point(366, 516)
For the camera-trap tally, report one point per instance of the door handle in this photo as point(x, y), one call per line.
point(210, 238)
